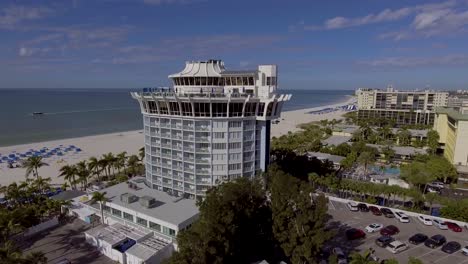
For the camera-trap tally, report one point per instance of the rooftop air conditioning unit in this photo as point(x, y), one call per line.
point(147, 201)
point(128, 198)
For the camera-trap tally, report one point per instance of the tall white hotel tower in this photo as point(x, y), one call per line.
point(213, 126)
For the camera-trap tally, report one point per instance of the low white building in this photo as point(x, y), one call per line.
point(153, 217)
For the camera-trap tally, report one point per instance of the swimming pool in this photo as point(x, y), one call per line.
point(386, 170)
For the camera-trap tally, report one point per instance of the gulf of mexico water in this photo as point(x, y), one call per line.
point(83, 112)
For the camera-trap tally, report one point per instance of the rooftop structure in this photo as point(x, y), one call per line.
point(404, 107)
point(137, 205)
point(336, 140)
point(212, 126)
point(452, 127)
point(325, 156)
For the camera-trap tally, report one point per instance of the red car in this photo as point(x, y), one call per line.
point(355, 233)
point(454, 227)
point(389, 230)
point(375, 210)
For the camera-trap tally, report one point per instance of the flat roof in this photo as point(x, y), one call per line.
point(240, 72)
point(452, 113)
point(325, 156)
point(147, 248)
point(117, 232)
point(346, 128)
point(67, 195)
point(336, 140)
point(171, 209)
point(413, 132)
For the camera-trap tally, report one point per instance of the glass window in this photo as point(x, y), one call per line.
point(155, 226)
point(128, 216)
point(106, 208)
point(142, 222)
point(116, 212)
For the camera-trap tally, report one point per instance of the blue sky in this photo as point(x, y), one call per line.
point(316, 44)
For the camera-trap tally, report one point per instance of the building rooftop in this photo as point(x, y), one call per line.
point(413, 132)
point(452, 113)
point(336, 140)
point(171, 209)
point(325, 156)
point(116, 233)
point(346, 129)
point(147, 248)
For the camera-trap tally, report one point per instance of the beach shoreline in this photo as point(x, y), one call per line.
point(132, 141)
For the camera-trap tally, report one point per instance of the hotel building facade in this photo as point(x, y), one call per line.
point(452, 127)
point(404, 107)
point(212, 126)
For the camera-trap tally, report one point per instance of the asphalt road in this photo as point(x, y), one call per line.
point(343, 219)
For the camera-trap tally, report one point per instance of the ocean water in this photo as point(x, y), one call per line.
point(83, 112)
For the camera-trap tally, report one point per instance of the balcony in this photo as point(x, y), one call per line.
point(251, 127)
point(188, 169)
point(203, 150)
point(204, 182)
point(165, 125)
point(202, 128)
point(189, 138)
point(179, 178)
point(179, 188)
point(166, 135)
point(166, 184)
point(180, 168)
point(166, 165)
point(203, 171)
point(189, 179)
point(189, 159)
point(154, 134)
point(177, 136)
point(204, 160)
point(188, 127)
point(155, 153)
point(165, 145)
point(177, 147)
point(177, 157)
point(202, 139)
point(176, 126)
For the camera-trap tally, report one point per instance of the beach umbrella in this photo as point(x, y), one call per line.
point(11, 155)
point(43, 151)
point(22, 155)
point(78, 150)
point(4, 158)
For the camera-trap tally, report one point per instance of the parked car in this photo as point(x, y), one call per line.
point(417, 239)
point(437, 184)
point(402, 217)
point(453, 226)
point(389, 230)
point(435, 241)
point(355, 233)
point(374, 227)
point(340, 255)
point(440, 224)
point(425, 220)
point(352, 206)
point(363, 207)
point(383, 241)
point(397, 247)
point(375, 210)
point(387, 212)
point(433, 190)
point(465, 251)
point(451, 247)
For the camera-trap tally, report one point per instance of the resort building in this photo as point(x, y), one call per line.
point(452, 127)
point(141, 223)
point(212, 126)
point(404, 107)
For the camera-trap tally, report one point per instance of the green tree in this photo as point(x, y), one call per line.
point(366, 158)
point(233, 226)
point(298, 217)
point(441, 169)
point(32, 164)
point(342, 150)
point(133, 163)
point(413, 260)
point(94, 166)
point(404, 137)
point(432, 141)
point(366, 258)
point(348, 162)
point(69, 172)
point(120, 161)
point(141, 153)
point(100, 198)
point(83, 174)
point(417, 174)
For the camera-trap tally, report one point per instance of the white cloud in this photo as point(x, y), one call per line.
point(454, 59)
point(14, 15)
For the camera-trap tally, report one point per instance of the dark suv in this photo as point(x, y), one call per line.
point(435, 241)
point(383, 241)
point(417, 239)
point(387, 212)
point(363, 207)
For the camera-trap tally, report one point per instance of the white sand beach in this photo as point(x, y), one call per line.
point(131, 142)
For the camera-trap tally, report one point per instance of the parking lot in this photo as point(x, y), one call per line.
point(343, 219)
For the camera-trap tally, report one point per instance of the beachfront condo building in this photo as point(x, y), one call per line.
point(403, 107)
point(452, 127)
point(212, 126)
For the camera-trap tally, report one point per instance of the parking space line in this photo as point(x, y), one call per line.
point(439, 259)
point(411, 248)
point(331, 203)
point(432, 250)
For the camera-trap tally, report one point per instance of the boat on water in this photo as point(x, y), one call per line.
point(37, 113)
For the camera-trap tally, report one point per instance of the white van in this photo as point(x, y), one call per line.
point(402, 217)
point(352, 206)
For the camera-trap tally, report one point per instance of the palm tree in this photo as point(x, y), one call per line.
point(42, 183)
point(101, 199)
point(120, 161)
point(32, 164)
point(109, 161)
point(132, 163)
point(65, 186)
point(69, 173)
point(365, 159)
point(83, 174)
point(94, 166)
point(36, 257)
point(9, 253)
point(141, 153)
